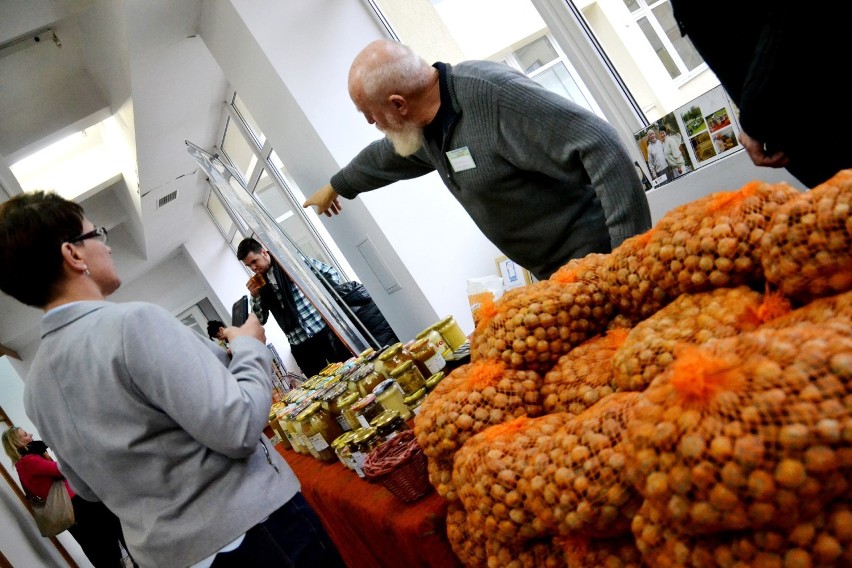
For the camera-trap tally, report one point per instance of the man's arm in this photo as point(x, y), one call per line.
point(375, 166)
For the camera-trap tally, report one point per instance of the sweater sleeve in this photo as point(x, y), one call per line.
point(224, 408)
point(541, 131)
point(376, 166)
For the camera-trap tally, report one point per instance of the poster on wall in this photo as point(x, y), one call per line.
point(692, 136)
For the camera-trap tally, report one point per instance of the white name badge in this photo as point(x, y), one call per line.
point(461, 159)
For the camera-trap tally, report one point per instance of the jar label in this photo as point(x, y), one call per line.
point(343, 423)
point(392, 435)
point(358, 459)
point(435, 363)
point(318, 442)
point(363, 421)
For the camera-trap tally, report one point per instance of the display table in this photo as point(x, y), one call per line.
point(371, 527)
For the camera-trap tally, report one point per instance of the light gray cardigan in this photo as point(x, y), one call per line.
point(552, 181)
point(144, 415)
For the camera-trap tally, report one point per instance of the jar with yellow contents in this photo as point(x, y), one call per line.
point(431, 334)
point(344, 403)
point(393, 357)
point(390, 396)
point(366, 409)
point(367, 378)
point(433, 381)
point(408, 377)
point(451, 332)
point(341, 447)
point(330, 402)
point(320, 429)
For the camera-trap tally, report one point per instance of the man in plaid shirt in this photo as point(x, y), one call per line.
point(312, 343)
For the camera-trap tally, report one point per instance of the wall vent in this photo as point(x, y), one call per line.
point(167, 199)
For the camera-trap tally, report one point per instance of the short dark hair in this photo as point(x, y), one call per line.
point(213, 326)
point(246, 246)
point(33, 227)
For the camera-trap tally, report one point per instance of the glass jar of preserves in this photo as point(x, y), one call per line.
point(427, 355)
point(366, 409)
point(330, 403)
point(276, 427)
point(288, 423)
point(367, 378)
point(320, 429)
point(390, 396)
point(393, 357)
point(433, 381)
point(341, 447)
point(413, 401)
point(363, 442)
point(437, 340)
point(389, 424)
point(408, 377)
point(347, 415)
point(451, 332)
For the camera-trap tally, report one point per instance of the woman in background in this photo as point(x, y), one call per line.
point(96, 529)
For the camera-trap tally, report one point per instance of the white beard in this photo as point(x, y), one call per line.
point(406, 139)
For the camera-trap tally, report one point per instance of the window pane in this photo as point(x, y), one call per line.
point(537, 54)
point(238, 151)
point(250, 122)
point(220, 214)
point(665, 16)
point(632, 5)
point(558, 80)
point(659, 48)
point(288, 217)
point(235, 240)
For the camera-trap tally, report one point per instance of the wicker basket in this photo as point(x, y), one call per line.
point(400, 465)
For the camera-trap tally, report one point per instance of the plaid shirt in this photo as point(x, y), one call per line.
point(310, 320)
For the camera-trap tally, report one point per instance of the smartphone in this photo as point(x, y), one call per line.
point(240, 312)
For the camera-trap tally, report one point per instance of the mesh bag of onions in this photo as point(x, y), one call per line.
point(533, 326)
point(552, 475)
point(825, 541)
point(541, 553)
point(440, 472)
point(470, 399)
point(466, 535)
point(807, 248)
point(746, 432)
point(834, 311)
point(626, 281)
point(583, 376)
point(692, 318)
point(618, 552)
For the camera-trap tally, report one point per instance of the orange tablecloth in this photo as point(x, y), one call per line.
point(371, 527)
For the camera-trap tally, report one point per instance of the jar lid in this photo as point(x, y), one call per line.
point(390, 351)
point(277, 405)
point(342, 439)
point(419, 344)
point(313, 407)
point(334, 391)
point(367, 352)
point(402, 368)
point(444, 321)
point(434, 380)
point(383, 386)
point(415, 396)
point(384, 418)
point(364, 434)
point(347, 398)
point(364, 402)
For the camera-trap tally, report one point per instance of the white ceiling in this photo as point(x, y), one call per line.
point(141, 60)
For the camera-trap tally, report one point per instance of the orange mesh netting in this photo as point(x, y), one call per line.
point(580, 269)
point(470, 399)
point(440, 473)
point(467, 536)
point(583, 376)
point(535, 325)
point(626, 281)
point(541, 553)
point(746, 432)
point(824, 541)
point(692, 318)
point(807, 248)
point(551, 475)
point(601, 552)
point(833, 310)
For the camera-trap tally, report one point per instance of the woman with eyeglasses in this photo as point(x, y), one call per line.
point(95, 528)
point(147, 416)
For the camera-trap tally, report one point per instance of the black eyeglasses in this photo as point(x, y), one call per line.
point(100, 234)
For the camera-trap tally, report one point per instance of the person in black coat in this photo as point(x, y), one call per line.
point(779, 63)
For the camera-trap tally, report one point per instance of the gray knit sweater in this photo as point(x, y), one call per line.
point(552, 181)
